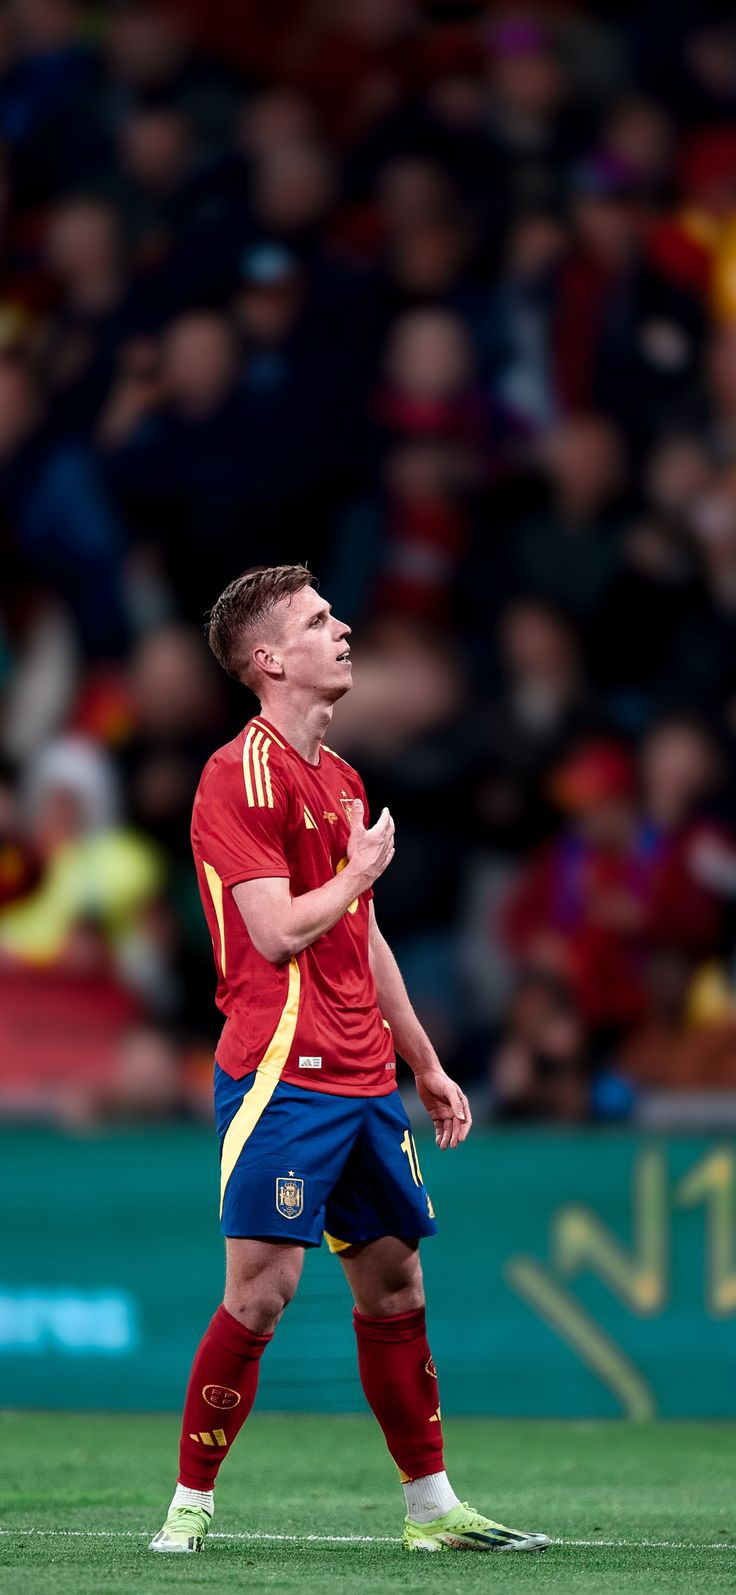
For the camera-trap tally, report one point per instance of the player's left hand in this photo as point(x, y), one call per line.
point(446, 1104)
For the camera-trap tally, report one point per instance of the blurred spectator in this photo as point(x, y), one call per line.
point(275, 117)
point(179, 474)
point(86, 257)
point(48, 92)
point(579, 909)
point(623, 882)
point(542, 708)
point(570, 553)
point(539, 1070)
point(639, 134)
point(430, 388)
point(62, 522)
point(530, 124)
point(162, 723)
point(98, 878)
point(517, 326)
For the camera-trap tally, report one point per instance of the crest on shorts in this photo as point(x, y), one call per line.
point(347, 805)
point(289, 1195)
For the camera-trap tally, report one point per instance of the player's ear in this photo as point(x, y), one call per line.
point(267, 661)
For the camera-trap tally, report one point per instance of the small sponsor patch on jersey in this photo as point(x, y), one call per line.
point(391, 1065)
point(327, 814)
point(310, 1063)
point(289, 1195)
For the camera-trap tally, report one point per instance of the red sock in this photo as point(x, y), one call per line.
point(399, 1380)
point(221, 1391)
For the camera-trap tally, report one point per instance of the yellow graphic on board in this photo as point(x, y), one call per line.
point(712, 1181)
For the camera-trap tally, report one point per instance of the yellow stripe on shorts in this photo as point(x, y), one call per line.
point(335, 1245)
point(268, 1074)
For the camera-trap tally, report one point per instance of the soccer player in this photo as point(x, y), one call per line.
point(313, 1135)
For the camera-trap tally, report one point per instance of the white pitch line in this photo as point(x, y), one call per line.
point(360, 1539)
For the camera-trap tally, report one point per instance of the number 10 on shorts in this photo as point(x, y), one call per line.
point(408, 1146)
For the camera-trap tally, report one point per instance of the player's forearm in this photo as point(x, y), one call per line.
point(410, 1039)
point(315, 913)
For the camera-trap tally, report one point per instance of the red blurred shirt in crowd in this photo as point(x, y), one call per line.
point(609, 910)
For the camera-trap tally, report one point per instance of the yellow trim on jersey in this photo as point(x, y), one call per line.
point(246, 770)
point(335, 1245)
point(258, 738)
point(215, 886)
point(256, 773)
point(268, 1074)
point(267, 772)
point(269, 732)
point(337, 756)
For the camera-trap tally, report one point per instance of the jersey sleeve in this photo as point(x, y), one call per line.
point(242, 837)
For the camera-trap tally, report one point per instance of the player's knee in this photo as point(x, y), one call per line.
point(394, 1297)
point(259, 1300)
point(394, 1286)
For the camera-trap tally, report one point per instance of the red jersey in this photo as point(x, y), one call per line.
point(261, 810)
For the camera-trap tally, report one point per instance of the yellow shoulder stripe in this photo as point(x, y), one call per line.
point(256, 773)
point(336, 756)
point(269, 732)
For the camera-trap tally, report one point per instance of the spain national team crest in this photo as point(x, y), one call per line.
point(347, 804)
point(289, 1195)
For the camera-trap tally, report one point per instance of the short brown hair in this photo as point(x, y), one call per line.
point(235, 616)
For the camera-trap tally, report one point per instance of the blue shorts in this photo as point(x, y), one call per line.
point(302, 1163)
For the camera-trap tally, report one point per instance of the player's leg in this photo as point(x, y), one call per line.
point(399, 1380)
point(261, 1279)
point(381, 1209)
point(397, 1371)
point(279, 1159)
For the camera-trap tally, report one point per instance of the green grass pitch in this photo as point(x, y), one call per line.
point(310, 1504)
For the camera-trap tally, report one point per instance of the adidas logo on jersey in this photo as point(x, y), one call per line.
point(310, 1063)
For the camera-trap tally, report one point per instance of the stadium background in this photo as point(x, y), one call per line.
point(442, 298)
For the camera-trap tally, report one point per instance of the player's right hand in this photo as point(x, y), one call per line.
point(370, 852)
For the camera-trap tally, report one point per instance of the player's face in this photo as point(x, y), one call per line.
point(313, 647)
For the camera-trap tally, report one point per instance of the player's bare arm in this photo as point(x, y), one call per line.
point(446, 1104)
point(280, 926)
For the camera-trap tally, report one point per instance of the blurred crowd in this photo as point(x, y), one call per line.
point(440, 297)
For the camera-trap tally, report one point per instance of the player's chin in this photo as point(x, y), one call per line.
point(339, 687)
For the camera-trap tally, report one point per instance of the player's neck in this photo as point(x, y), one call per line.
point(302, 726)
